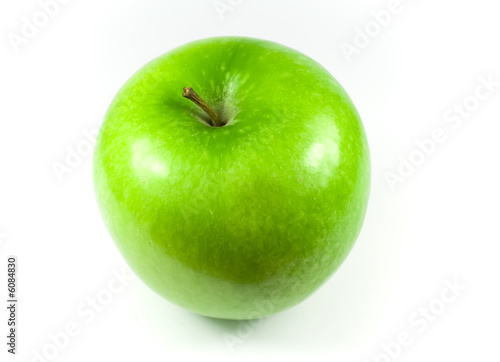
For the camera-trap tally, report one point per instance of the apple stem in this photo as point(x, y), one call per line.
point(190, 94)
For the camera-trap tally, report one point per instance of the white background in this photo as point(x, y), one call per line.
point(439, 224)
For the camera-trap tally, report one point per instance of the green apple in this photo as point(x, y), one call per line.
point(233, 175)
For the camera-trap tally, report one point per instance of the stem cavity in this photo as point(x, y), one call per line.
point(190, 94)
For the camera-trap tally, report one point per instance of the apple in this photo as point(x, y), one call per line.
point(233, 175)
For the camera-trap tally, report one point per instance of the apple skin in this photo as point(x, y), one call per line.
point(245, 220)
